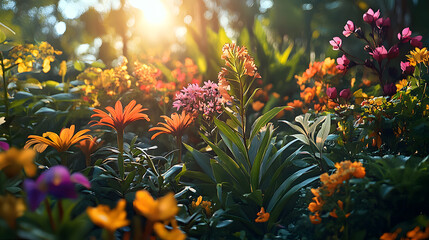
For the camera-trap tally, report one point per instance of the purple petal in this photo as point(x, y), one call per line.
point(4, 145)
point(80, 179)
point(34, 195)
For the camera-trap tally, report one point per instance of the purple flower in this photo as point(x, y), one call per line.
point(407, 68)
point(405, 35)
point(393, 52)
point(4, 146)
point(349, 28)
point(416, 41)
point(345, 93)
point(331, 92)
point(336, 43)
point(56, 182)
point(343, 63)
point(383, 22)
point(379, 53)
point(371, 16)
point(389, 89)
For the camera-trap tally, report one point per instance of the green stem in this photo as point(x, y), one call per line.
point(121, 153)
point(5, 97)
point(51, 218)
point(179, 146)
point(151, 165)
point(61, 209)
point(64, 159)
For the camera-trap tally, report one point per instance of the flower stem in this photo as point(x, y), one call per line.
point(121, 153)
point(179, 146)
point(51, 218)
point(148, 230)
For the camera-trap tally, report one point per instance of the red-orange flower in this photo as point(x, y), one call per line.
point(61, 143)
point(262, 216)
point(88, 146)
point(118, 118)
point(176, 125)
point(315, 219)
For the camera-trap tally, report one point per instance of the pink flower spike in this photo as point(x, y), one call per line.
point(343, 63)
point(336, 43)
point(405, 35)
point(416, 41)
point(393, 52)
point(349, 28)
point(379, 53)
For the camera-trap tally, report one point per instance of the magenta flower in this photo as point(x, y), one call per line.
point(336, 43)
point(383, 22)
point(416, 41)
point(393, 52)
point(4, 146)
point(331, 92)
point(343, 63)
point(349, 28)
point(56, 182)
point(405, 35)
point(407, 68)
point(345, 93)
point(379, 53)
point(371, 16)
point(390, 89)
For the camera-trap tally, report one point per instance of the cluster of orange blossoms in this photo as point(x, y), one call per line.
point(330, 184)
point(239, 64)
point(313, 83)
point(415, 234)
point(206, 205)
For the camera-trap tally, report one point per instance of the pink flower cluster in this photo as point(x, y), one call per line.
point(197, 100)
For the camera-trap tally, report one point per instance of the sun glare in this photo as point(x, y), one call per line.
point(154, 11)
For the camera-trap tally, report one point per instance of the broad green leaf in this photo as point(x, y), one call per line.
point(2, 36)
point(295, 127)
point(263, 120)
point(277, 209)
point(229, 164)
point(323, 133)
point(221, 174)
point(45, 110)
point(302, 138)
point(232, 135)
point(255, 175)
point(79, 66)
point(202, 160)
point(284, 188)
point(255, 196)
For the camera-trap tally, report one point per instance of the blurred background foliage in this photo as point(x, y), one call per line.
point(103, 30)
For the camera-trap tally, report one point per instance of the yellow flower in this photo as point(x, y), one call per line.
point(418, 56)
point(13, 161)
point(155, 210)
point(63, 69)
point(109, 219)
point(401, 84)
point(164, 234)
point(62, 143)
point(11, 208)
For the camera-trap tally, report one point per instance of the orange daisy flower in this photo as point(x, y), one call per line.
point(176, 125)
point(61, 143)
point(118, 118)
